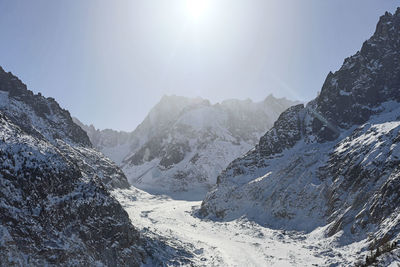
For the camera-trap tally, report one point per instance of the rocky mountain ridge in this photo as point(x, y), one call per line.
point(333, 163)
point(54, 201)
point(183, 143)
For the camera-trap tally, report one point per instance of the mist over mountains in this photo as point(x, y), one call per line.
point(184, 143)
point(237, 183)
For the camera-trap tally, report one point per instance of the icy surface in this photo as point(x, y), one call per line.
point(237, 242)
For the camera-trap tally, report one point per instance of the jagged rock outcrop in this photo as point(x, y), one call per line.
point(37, 115)
point(55, 208)
point(43, 118)
point(334, 162)
point(184, 143)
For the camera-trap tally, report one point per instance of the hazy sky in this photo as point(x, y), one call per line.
point(109, 62)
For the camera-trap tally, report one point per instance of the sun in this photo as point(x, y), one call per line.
point(196, 8)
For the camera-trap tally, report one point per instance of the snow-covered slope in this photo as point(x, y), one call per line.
point(55, 208)
point(43, 118)
point(334, 162)
point(113, 144)
point(184, 143)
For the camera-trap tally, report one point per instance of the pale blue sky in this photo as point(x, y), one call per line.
point(109, 62)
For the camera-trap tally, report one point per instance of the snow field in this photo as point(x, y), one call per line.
point(235, 243)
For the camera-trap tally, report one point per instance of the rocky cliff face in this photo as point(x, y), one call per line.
point(43, 118)
point(334, 162)
point(184, 143)
point(54, 202)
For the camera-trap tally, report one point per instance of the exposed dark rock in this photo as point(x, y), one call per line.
point(184, 143)
point(52, 214)
point(335, 161)
point(58, 121)
point(55, 208)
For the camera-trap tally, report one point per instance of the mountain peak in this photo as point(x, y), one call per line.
point(370, 77)
point(175, 98)
point(47, 109)
point(333, 163)
point(55, 205)
point(387, 23)
point(184, 142)
point(270, 97)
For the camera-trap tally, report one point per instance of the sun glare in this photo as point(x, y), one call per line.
point(196, 8)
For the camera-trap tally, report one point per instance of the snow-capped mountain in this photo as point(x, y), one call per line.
point(334, 163)
point(113, 144)
point(55, 207)
point(184, 143)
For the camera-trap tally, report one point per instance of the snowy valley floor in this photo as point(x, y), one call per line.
point(188, 240)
